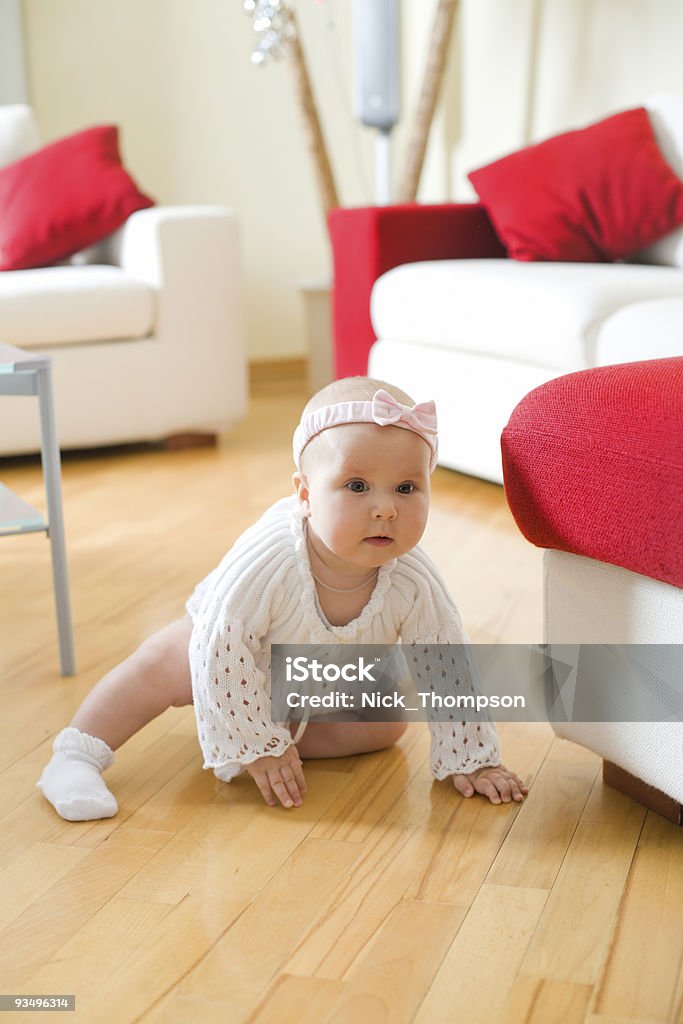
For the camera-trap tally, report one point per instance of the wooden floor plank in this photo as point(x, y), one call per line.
point(139, 778)
point(678, 998)
point(652, 906)
point(454, 860)
point(592, 1018)
point(525, 745)
point(560, 794)
point(209, 874)
point(183, 936)
point(293, 999)
point(226, 836)
point(412, 863)
point(391, 976)
point(378, 780)
point(352, 916)
point(60, 912)
point(84, 964)
point(574, 932)
point(18, 779)
point(31, 875)
point(168, 796)
point(481, 965)
point(607, 805)
point(246, 958)
point(543, 1001)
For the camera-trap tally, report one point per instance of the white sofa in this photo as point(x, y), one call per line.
point(523, 324)
point(145, 331)
point(477, 334)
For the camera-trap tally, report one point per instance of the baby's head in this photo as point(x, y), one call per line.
point(363, 464)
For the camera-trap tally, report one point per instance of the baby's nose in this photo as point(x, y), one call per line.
point(385, 508)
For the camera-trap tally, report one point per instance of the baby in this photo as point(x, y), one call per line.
point(337, 562)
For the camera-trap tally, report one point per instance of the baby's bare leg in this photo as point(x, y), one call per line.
point(154, 678)
point(342, 739)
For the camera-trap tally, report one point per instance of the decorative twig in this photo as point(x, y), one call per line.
point(424, 113)
point(316, 140)
point(276, 25)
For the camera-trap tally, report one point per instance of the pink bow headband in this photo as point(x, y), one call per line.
point(383, 410)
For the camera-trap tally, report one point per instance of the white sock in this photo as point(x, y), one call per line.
point(72, 781)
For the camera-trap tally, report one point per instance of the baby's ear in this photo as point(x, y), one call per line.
point(300, 483)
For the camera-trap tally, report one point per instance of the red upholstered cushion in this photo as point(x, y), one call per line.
point(593, 464)
point(63, 198)
point(593, 195)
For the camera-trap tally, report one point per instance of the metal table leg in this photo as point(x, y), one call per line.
point(50, 458)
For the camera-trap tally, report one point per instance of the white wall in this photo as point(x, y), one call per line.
point(531, 68)
point(12, 71)
point(201, 124)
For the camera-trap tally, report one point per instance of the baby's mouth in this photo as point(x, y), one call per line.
point(379, 542)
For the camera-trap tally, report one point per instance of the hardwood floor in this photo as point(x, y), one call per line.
point(386, 897)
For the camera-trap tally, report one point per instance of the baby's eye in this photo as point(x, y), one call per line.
point(406, 488)
point(357, 486)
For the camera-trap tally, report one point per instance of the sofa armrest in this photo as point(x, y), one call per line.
point(366, 242)
point(153, 242)
point(191, 256)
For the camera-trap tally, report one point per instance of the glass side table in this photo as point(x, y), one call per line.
point(26, 373)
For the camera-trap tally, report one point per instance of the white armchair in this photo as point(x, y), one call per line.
point(145, 331)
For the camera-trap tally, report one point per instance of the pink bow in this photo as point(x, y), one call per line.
point(387, 411)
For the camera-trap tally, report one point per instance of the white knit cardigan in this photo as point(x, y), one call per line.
point(263, 593)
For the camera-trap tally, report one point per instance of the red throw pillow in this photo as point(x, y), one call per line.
point(597, 194)
point(63, 198)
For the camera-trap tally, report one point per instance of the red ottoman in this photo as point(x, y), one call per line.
point(593, 464)
point(593, 469)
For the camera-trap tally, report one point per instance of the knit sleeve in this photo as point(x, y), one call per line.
point(231, 698)
point(229, 660)
point(457, 747)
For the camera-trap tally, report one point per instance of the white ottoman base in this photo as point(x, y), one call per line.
point(594, 603)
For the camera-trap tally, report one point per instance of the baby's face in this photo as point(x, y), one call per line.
point(366, 488)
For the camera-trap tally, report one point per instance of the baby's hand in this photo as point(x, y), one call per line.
point(497, 784)
point(280, 777)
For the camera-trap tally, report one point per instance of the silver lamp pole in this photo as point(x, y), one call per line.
point(377, 39)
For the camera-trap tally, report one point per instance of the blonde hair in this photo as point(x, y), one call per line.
point(347, 389)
